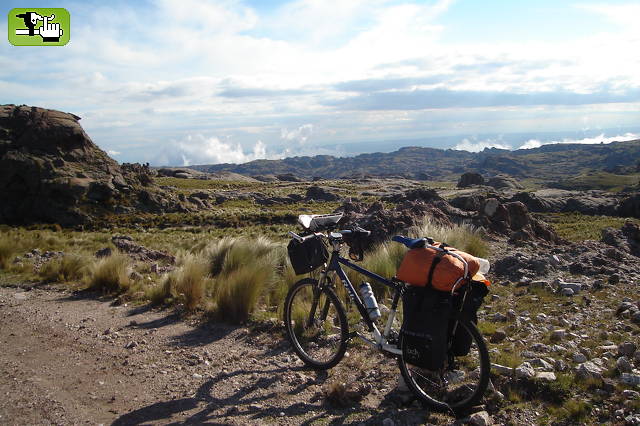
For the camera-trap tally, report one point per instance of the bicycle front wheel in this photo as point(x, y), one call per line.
point(316, 324)
point(460, 384)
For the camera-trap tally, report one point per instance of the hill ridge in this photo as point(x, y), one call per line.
point(551, 161)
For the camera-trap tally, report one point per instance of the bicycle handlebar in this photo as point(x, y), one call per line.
point(302, 239)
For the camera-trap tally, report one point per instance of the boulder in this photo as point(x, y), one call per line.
point(626, 239)
point(319, 193)
point(469, 179)
point(503, 182)
point(630, 207)
point(289, 177)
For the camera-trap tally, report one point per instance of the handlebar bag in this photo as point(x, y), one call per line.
point(419, 264)
point(468, 308)
point(307, 256)
point(424, 327)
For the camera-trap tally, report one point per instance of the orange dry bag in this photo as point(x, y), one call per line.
point(421, 264)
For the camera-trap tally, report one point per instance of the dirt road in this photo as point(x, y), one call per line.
point(74, 358)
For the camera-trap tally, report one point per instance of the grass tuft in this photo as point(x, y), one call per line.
point(251, 268)
point(189, 283)
point(462, 237)
point(67, 268)
point(7, 251)
point(110, 274)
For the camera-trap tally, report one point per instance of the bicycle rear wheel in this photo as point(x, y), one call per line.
point(460, 384)
point(316, 324)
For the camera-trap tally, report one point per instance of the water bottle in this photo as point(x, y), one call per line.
point(369, 301)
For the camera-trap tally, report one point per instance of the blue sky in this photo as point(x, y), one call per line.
point(192, 82)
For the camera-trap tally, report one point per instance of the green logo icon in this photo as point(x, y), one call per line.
point(39, 26)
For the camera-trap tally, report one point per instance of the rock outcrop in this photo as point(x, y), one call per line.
point(51, 172)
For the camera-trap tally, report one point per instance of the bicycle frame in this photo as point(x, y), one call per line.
point(381, 342)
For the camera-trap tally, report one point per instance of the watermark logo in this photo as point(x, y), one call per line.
point(39, 26)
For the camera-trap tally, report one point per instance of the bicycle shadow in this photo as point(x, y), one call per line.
point(254, 404)
point(212, 408)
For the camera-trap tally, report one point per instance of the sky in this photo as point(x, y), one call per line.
point(182, 82)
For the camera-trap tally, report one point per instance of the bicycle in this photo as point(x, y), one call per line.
point(317, 327)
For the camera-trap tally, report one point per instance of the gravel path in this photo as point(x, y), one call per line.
point(74, 358)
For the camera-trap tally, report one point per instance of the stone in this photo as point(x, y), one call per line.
point(491, 206)
point(499, 317)
point(498, 336)
point(525, 370)
point(540, 284)
point(558, 335)
point(623, 365)
point(567, 292)
point(630, 379)
point(630, 394)
point(132, 344)
point(560, 365)
point(502, 370)
point(541, 364)
point(548, 376)
point(576, 287)
point(511, 315)
point(579, 358)
point(627, 349)
point(588, 370)
point(481, 418)
point(539, 347)
point(388, 422)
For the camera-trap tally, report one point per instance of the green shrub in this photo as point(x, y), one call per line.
point(111, 274)
point(64, 269)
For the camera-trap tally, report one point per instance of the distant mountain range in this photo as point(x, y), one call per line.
point(548, 162)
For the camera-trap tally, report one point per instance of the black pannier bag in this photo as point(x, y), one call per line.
point(461, 340)
point(308, 255)
point(424, 327)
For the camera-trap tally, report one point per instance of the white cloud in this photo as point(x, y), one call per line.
point(601, 138)
point(113, 153)
point(198, 149)
point(531, 143)
point(299, 135)
point(477, 146)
